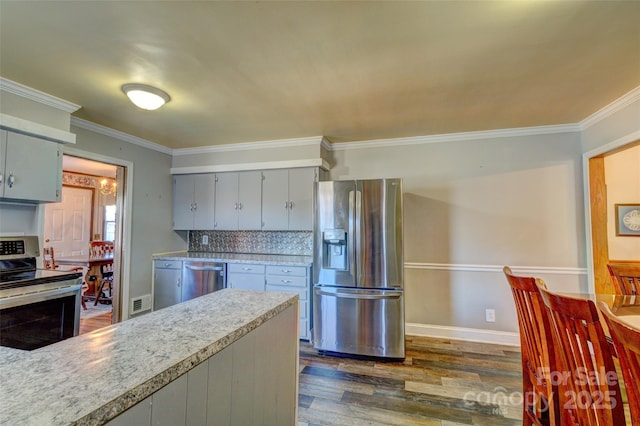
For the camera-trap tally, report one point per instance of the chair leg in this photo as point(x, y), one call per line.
point(99, 293)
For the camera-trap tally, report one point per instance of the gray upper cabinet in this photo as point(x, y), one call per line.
point(287, 199)
point(30, 168)
point(238, 201)
point(193, 201)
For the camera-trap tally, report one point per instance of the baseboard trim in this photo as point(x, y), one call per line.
point(461, 333)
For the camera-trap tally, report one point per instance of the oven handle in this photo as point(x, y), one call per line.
point(40, 296)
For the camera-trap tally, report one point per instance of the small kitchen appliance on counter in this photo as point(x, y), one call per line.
point(37, 306)
point(358, 297)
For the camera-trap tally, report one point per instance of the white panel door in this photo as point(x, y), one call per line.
point(67, 224)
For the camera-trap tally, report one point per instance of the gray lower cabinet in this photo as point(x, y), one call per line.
point(167, 283)
point(251, 382)
point(293, 279)
point(246, 276)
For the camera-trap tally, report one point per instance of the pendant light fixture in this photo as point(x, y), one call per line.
point(145, 96)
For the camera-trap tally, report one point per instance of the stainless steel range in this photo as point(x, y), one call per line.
point(37, 306)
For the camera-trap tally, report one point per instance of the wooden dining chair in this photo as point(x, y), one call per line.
point(589, 390)
point(49, 262)
point(627, 342)
point(625, 277)
point(541, 400)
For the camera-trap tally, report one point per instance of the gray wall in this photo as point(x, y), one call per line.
point(473, 206)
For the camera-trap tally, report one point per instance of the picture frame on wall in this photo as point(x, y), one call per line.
point(627, 220)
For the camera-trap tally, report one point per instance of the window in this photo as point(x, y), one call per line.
point(110, 222)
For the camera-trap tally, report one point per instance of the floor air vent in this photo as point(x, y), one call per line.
point(140, 304)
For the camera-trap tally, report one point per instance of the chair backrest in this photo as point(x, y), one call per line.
point(627, 342)
point(591, 392)
point(48, 259)
point(100, 248)
point(625, 277)
point(538, 357)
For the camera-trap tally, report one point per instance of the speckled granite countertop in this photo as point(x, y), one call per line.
point(268, 259)
point(89, 379)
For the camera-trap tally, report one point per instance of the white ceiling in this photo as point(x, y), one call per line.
point(81, 165)
point(351, 71)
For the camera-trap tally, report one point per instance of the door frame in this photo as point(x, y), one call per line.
point(588, 174)
point(122, 252)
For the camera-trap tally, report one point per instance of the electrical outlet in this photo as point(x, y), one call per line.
point(490, 315)
point(205, 239)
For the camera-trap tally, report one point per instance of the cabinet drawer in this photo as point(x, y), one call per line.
point(299, 271)
point(285, 280)
point(245, 268)
point(167, 264)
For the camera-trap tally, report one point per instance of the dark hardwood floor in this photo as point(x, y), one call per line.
point(441, 382)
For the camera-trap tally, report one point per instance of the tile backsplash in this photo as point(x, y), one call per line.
point(256, 242)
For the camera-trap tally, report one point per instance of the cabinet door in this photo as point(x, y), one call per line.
point(301, 199)
point(166, 287)
point(183, 187)
point(226, 204)
point(246, 281)
point(204, 198)
point(275, 197)
point(33, 169)
point(250, 200)
point(3, 157)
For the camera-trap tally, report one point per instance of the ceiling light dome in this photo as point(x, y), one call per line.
point(146, 97)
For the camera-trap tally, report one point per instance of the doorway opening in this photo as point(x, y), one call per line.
point(90, 215)
point(612, 180)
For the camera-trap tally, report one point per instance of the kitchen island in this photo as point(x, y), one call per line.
point(242, 344)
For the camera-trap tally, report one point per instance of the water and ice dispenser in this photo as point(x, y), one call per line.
point(334, 242)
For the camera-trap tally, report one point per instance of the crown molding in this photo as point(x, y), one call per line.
point(36, 95)
point(244, 146)
point(615, 106)
point(267, 165)
point(116, 134)
point(456, 137)
point(38, 130)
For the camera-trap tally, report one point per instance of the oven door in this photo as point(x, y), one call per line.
point(36, 319)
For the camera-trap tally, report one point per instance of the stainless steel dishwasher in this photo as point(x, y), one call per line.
point(202, 277)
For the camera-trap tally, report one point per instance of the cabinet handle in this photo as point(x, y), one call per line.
point(286, 271)
point(285, 281)
point(1, 178)
point(246, 269)
point(195, 206)
point(11, 180)
point(240, 206)
point(235, 206)
point(166, 265)
point(286, 204)
point(291, 204)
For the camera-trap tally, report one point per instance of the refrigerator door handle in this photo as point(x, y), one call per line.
point(351, 238)
point(359, 261)
point(368, 296)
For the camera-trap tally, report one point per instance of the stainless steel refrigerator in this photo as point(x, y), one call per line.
point(358, 293)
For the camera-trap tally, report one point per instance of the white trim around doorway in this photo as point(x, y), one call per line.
point(124, 250)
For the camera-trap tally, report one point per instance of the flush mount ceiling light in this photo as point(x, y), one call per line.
point(146, 97)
